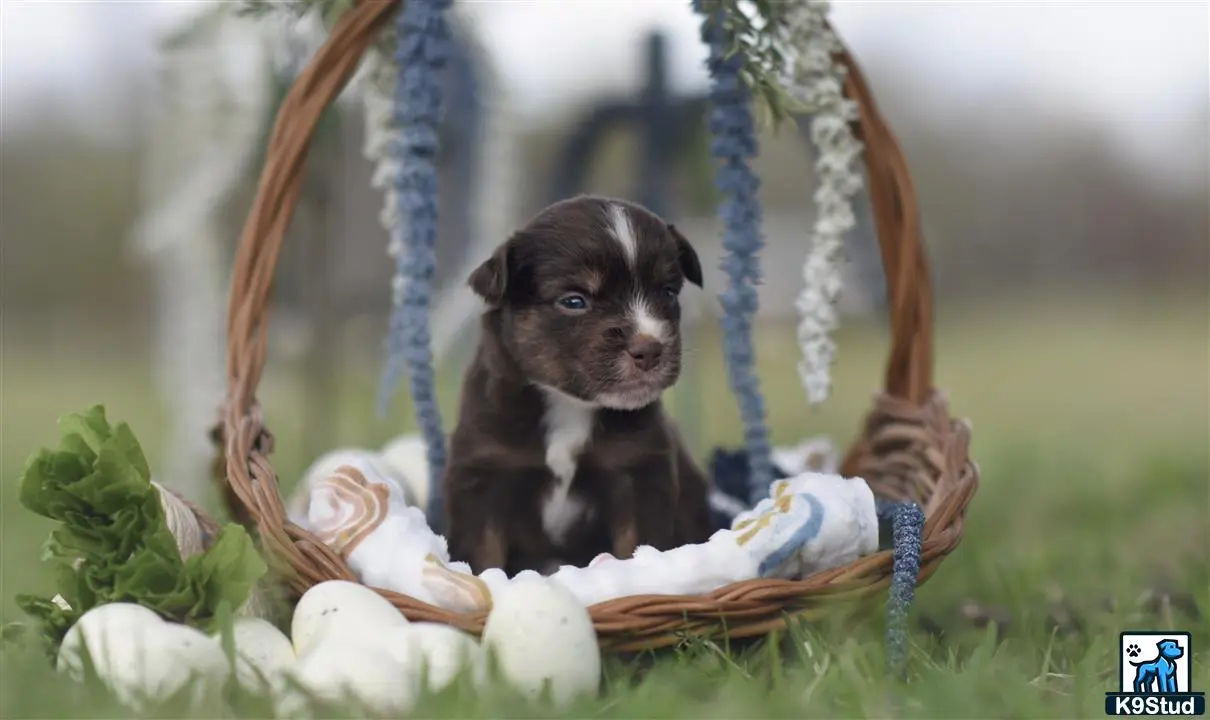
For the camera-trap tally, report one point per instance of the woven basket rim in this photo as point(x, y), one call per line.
point(909, 449)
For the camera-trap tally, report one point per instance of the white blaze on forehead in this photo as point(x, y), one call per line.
point(623, 231)
point(645, 321)
point(568, 423)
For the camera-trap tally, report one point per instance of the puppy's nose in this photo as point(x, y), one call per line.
point(645, 351)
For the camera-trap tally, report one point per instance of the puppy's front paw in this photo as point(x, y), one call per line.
point(625, 540)
point(551, 566)
point(490, 551)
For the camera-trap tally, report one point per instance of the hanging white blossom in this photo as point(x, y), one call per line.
point(375, 81)
point(301, 27)
point(496, 194)
point(817, 80)
point(213, 92)
point(215, 97)
point(217, 69)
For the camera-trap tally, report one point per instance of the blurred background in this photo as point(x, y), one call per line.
point(1060, 152)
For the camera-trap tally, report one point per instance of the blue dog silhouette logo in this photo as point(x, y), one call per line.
point(1159, 674)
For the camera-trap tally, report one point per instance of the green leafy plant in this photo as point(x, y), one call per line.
point(329, 10)
point(113, 543)
point(757, 32)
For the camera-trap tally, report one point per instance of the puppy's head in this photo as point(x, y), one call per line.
point(588, 300)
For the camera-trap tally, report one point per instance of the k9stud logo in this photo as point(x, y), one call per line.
point(1153, 676)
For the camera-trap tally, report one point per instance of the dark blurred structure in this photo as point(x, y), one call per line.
point(655, 115)
point(662, 121)
point(1043, 201)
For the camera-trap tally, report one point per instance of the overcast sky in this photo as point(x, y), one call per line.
point(1143, 67)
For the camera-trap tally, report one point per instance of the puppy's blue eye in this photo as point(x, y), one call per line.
point(671, 292)
point(573, 302)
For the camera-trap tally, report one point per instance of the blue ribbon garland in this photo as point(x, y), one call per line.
point(424, 45)
point(423, 37)
point(729, 473)
point(733, 141)
point(907, 526)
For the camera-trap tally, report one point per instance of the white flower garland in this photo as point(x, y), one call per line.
point(818, 81)
point(496, 194)
point(202, 140)
point(376, 78)
point(301, 31)
point(217, 69)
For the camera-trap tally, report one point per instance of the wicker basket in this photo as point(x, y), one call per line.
point(909, 449)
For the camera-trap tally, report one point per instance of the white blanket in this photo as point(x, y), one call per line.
point(810, 522)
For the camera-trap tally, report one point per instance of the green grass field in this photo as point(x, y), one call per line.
point(1091, 431)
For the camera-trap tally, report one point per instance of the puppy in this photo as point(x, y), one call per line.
point(562, 449)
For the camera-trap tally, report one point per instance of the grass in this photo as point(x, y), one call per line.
point(1091, 429)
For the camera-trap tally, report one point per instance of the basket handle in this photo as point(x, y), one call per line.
point(909, 368)
point(893, 196)
point(278, 191)
point(247, 481)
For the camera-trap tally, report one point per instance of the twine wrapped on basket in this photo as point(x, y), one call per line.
point(195, 532)
point(909, 447)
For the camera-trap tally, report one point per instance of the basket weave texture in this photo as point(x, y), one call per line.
point(908, 449)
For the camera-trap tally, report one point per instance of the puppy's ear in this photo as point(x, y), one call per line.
point(690, 265)
point(490, 280)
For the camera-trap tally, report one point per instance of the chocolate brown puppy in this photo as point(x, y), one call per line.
point(562, 449)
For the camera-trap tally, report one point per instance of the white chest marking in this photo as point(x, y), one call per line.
point(623, 231)
point(568, 423)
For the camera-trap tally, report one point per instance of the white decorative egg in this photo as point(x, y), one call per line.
point(355, 608)
point(440, 651)
point(188, 657)
point(140, 657)
point(346, 669)
point(113, 637)
point(541, 635)
point(263, 654)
